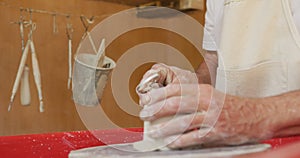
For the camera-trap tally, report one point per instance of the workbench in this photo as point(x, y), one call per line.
point(58, 145)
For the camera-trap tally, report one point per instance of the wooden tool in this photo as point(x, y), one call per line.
point(25, 89)
point(19, 73)
point(69, 31)
point(35, 66)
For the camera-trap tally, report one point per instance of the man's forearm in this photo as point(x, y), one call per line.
point(281, 113)
point(285, 109)
point(262, 118)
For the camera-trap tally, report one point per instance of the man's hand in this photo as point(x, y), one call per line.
point(171, 74)
point(209, 117)
point(237, 120)
point(167, 75)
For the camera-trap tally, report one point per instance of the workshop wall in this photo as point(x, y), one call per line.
point(52, 52)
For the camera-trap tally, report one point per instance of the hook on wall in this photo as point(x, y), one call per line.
point(69, 28)
point(86, 22)
point(55, 27)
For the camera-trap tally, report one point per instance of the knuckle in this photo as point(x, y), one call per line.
point(172, 104)
point(196, 121)
point(158, 66)
point(149, 72)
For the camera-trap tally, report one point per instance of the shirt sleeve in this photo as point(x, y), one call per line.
point(209, 28)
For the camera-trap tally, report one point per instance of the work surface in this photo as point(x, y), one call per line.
point(59, 145)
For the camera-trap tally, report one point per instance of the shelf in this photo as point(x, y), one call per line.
point(136, 2)
point(145, 9)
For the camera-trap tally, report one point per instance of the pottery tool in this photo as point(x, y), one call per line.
point(37, 75)
point(96, 62)
point(69, 31)
point(19, 73)
point(55, 28)
point(35, 66)
point(25, 88)
point(101, 54)
point(86, 24)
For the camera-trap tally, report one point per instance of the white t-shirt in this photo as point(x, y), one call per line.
point(213, 20)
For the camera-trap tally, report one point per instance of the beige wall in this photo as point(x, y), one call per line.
point(51, 50)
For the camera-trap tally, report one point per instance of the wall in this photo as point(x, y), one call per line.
point(60, 112)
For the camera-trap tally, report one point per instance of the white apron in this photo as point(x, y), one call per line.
point(259, 51)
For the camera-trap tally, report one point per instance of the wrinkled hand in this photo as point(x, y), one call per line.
point(206, 116)
point(170, 74)
point(166, 75)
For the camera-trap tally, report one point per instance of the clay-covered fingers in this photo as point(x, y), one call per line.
point(173, 90)
point(164, 93)
point(162, 70)
point(176, 96)
point(179, 124)
point(170, 74)
point(182, 99)
point(170, 107)
point(195, 137)
point(159, 94)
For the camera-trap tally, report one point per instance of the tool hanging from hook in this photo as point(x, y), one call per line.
point(25, 87)
point(69, 31)
point(18, 77)
point(35, 66)
point(22, 64)
point(87, 22)
point(55, 27)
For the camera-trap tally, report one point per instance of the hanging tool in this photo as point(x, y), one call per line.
point(86, 22)
point(69, 31)
point(18, 77)
point(101, 54)
point(35, 65)
point(25, 88)
point(55, 28)
point(36, 71)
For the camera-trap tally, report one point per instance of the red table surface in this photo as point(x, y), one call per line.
point(58, 145)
